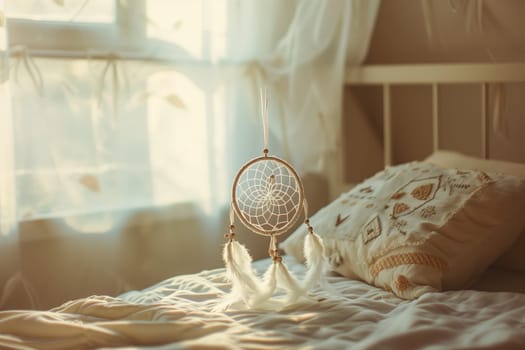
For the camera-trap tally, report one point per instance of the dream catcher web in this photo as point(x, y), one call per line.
point(267, 195)
point(268, 198)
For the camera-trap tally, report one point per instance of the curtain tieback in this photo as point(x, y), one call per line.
point(22, 56)
point(114, 67)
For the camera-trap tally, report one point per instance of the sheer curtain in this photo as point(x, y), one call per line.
point(7, 185)
point(306, 72)
point(97, 130)
point(113, 108)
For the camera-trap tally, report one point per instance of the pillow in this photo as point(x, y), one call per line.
point(417, 227)
point(448, 159)
point(513, 258)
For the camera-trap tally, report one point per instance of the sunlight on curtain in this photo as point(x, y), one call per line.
point(7, 180)
point(106, 134)
point(131, 117)
point(306, 72)
point(182, 139)
point(92, 11)
point(166, 112)
point(197, 27)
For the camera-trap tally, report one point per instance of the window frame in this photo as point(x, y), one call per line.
point(56, 38)
point(126, 37)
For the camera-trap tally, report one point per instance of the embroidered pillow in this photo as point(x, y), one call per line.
point(417, 227)
point(514, 257)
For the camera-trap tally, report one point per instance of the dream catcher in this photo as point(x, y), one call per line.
point(268, 198)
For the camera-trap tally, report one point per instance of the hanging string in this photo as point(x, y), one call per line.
point(264, 115)
point(258, 75)
point(232, 215)
point(231, 234)
point(246, 285)
point(305, 207)
point(273, 252)
point(255, 72)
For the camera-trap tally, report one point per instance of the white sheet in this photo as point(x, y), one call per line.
point(179, 314)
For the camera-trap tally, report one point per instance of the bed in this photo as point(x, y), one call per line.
point(188, 311)
point(180, 313)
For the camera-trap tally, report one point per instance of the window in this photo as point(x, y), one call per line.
point(176, 29)
point(49, 27)
point(117, 104)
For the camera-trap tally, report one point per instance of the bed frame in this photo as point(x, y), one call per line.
point(434, 75)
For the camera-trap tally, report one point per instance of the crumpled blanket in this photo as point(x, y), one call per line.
point(184, 312)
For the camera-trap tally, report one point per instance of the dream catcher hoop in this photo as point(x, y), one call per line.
point(267, 195)
point(268, 198)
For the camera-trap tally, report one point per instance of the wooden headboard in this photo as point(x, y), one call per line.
point(434, 75)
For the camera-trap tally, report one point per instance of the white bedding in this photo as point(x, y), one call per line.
point(180, 313)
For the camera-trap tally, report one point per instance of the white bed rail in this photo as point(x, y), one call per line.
point(434, 75)
point(462, 73)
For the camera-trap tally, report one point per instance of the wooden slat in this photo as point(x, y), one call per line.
point(435, 73)
point(484, 121)
point(435, 117)
point(387, 126)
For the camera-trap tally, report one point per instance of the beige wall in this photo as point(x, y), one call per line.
point(400, 36)
point(59, 264)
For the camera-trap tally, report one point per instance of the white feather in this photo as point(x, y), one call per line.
point(268, 287)
point(257, 293)
point(315, 261)
point(289, 283)
point(239, 270)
